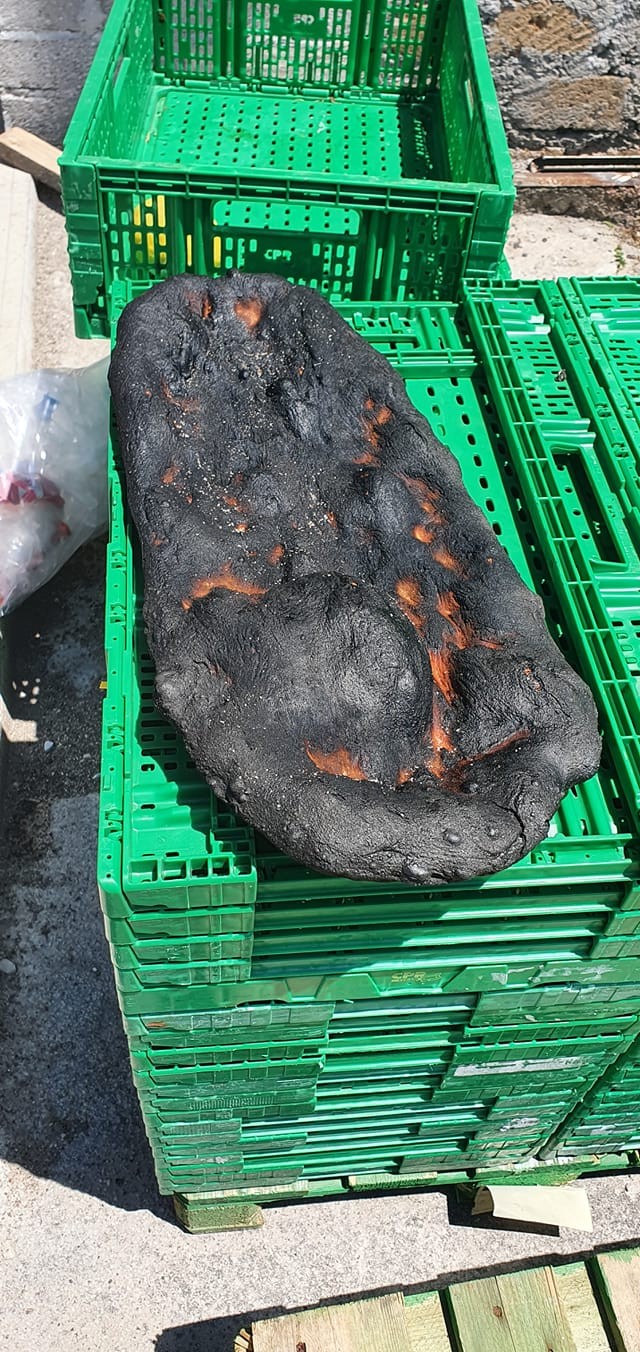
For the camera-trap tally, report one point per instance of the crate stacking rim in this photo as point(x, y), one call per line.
point(357, 148)
point(174, 862)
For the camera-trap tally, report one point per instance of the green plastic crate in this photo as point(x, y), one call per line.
point(357, 148)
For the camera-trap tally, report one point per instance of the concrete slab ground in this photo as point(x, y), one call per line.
point(92, 1259)
point(567, 246)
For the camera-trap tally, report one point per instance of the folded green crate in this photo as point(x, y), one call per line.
point(275, 1100)
point(563, 459)
point(183, 953)
point(171, 925)
point(255, 1024)
point(606, 313)
point(206, 1180)
point(228, 1054)
point(159, 985)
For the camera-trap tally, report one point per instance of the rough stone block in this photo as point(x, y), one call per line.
point(542, 26)
point(593, 103)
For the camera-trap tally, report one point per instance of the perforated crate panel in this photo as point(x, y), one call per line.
point(291, 44)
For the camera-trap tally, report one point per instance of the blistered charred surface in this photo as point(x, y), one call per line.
point(351, 657)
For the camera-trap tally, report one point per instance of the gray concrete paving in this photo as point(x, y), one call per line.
point(92, 1257)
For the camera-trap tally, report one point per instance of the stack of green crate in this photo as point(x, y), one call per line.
point(357, 147)
point(287, 1029)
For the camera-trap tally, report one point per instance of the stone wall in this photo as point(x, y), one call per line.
point(568, 75)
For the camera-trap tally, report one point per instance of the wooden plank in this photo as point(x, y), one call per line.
point(580, 1307)
point(216, 1218)
point(538, 1205)
point(515, 1312)
point(22, 150)
point(360, 1326)
point(617, 1276)
point(18, 202)
point(425, 1323)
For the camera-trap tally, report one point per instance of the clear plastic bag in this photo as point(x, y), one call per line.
point(53, 473)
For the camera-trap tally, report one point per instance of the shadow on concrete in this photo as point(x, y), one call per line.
point(212, 1335)
point(70, 1111)
point(51, 198)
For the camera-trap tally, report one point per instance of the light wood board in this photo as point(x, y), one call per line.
point(360, 1326)
point(22, 150)
point(618, 1279)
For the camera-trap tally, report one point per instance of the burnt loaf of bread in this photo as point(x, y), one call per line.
point(350, 655)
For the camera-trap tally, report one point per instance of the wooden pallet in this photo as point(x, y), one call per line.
point(575, 1307)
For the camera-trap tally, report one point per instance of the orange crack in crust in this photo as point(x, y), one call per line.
point(463, 764)
point(459, 635)
point(170, 474)
point(249, 312)
point(225, 580)
point(339, 762)
point(276, 554)
point(374, 419)
point(380, 415)
point(441, 743)
point(529, 674)
point(441, 671)
point(179, 401)
point(403, 776)
point(422, 534)
point(442, 556)
point(410, 601)
point(207, 307)
point(425, 496)
point(235, 504)
point(512, 740)
point(462, 634)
